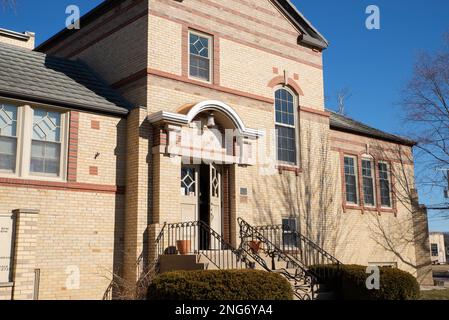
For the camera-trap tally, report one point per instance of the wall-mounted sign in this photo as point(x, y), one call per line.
point(6, 234)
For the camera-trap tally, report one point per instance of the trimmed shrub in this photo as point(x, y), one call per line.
point(349, 282)
point(220, 285)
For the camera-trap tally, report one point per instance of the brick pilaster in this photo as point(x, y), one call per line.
point(24, 259)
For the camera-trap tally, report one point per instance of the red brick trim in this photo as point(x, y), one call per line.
point(185, 52)
point(361, 206)
point(242, 42)
point(282, 168)
point(275, 70)
point(65, 186)
point(217, 63)
point(72, 157)
point(109, 33)
point(251, 18)
point(349, 151)
point(279, 80)
point(171, 76)
point(93, 171)
point(315, 111)
point(86, 32)
point(95, 124)
point(241, 28)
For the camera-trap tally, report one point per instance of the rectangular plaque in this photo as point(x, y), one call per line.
point(6, 234)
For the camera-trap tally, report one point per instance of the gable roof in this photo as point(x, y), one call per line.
point(310, 35)
point(39, 78)
point(346, 124)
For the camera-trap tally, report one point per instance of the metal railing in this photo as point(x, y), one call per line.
point(303, 281)
point(301, 248)
point(198, 238)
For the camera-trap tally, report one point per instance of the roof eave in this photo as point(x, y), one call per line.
point(290, 10)
point(63, 104)
point(408, 143)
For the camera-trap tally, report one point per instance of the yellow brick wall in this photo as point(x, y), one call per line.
point(75, 229)
point(103, 148)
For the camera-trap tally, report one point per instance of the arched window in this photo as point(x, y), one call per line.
point(285, 102)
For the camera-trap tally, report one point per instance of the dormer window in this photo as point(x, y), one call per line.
point(200, 56)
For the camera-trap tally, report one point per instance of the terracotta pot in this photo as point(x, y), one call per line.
point(183, 246)
point(255, 246)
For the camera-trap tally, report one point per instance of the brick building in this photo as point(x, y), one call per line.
point(99, 151)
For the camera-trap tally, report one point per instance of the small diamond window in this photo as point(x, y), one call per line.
point(215, 183)
point(188, 182)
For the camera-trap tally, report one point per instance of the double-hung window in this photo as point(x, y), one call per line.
point(200, 56)
point(289, 229)
point(8, 138)
point(368, 182)
point(385, 184)
point(285, 127)
point(32, 142)
point(46, 143)
point(350, 164)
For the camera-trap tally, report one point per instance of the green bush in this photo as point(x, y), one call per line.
point(349, 282)
point(220, 285)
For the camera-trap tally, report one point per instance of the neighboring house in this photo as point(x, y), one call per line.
point(439, 249)
point(100, 184)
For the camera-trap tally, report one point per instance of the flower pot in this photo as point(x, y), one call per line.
point(255, 246)
point(183, 246)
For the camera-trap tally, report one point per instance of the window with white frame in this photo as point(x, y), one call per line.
point(46, 143)
point(368, 182)
point(350, 165)
point(285, 126)
point(8, 137)
point(32, 142)
point(200, 56)
point(385, 184)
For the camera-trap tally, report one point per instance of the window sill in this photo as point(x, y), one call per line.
point(6, 284)
point(289, 168)
point(347, 206)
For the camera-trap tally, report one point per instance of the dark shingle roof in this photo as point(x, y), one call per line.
point(343, 123)
point(33, 76)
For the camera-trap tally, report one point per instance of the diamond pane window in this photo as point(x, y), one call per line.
point(285, 126)
point(8, 137)
point(188, 181)
point(46, 143)
point(200, 56)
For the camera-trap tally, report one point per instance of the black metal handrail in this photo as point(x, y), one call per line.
point(300, 248)
point(303, 280)
point(200, 239)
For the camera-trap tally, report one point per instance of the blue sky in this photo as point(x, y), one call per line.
point(374, 64)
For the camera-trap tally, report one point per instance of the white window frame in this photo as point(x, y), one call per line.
point(211, 55)
point(390, 184)
point(373, 177)
point(24, 140)
point(356, 173)
point(295, 127)
point(7, 173)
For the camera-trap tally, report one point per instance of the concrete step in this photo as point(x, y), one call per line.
point(174, 262)
point(225, 259)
